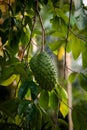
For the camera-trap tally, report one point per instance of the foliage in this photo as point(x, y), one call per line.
point(26, 26)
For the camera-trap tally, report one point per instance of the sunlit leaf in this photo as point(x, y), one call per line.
point(62, 15)
point(61, 53)
point(6, 73)
point(8, 81)
point(59, 26)
point(76, 47)
point(63, 97)
point(56, 45)
point(64, 107)
point(72, 76)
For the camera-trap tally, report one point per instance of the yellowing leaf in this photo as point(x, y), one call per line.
point(64, 107)
point(8, 81)
point(63, 96)
point(61, 53)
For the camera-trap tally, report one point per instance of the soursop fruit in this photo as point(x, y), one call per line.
point(44, 71)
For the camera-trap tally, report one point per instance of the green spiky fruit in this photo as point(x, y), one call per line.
point(44, 71)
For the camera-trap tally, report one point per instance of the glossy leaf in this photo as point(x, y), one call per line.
point(34, 89)
point(56, 45)
point(72, 77)
point(23, 89)
point(23, 106)
point(33, 116)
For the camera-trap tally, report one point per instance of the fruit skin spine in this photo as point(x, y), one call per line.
point(44, 70)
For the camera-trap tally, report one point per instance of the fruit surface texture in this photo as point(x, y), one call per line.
point(44, 70)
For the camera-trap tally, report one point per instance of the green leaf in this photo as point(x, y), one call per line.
point(63, 97)
point(34, 89)
point(64, 107)
point(75, 121)
point(33, 116)
point(12, 61)
point(6, 73)
point(15, 39)
point(10, 107)
point(23, 106)
point(55, 45)
point(84, 57)
point(53, 100)
point(19, 69)
point(59, 25)
point(23, 89)
point(63, 123)
point(80, 15)
point(72, 77)
point(38, 123)
point(44, 99)
point(62, 15)
point(47, 123)
point(28, 21)
point(54, 2)
point(25, 36)
point(83, 80)
point(79, 116)
point(76, 47)
point(8, 81)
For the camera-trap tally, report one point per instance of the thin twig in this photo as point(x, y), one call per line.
point(68, 28)
point(43, 31)
point(28, 45)
point(71, 70)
